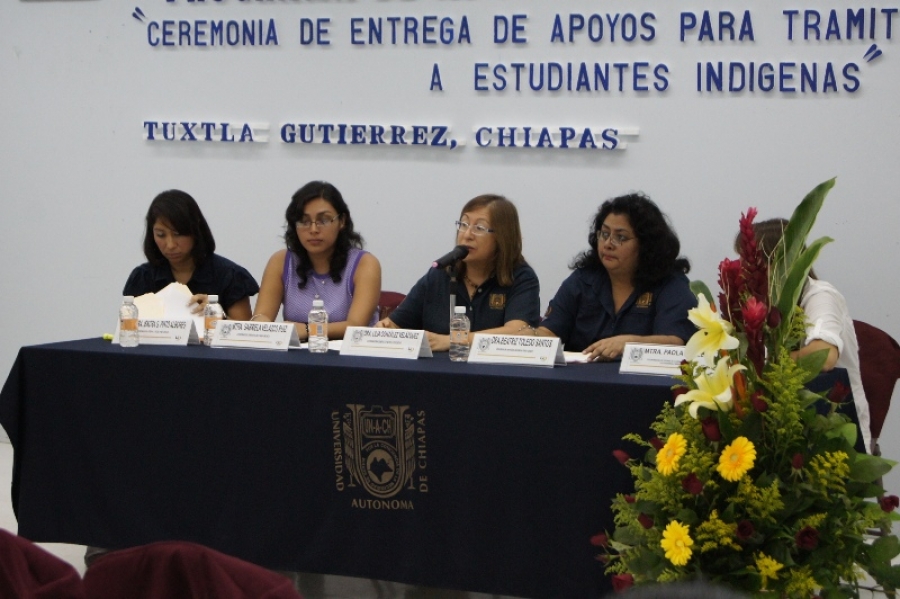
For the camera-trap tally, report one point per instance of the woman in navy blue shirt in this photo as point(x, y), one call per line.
point(498, 288)
point(630, 286)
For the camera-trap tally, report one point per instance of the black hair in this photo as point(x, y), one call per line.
point(182, 213)
point(658, 245)
point(347, 238)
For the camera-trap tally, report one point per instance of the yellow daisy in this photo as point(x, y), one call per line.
point(737, 459)
point(667, 458)
point(768, 568)
point(677, 543)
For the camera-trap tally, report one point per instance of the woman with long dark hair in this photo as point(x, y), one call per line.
point(630, 286)
point(323, 260)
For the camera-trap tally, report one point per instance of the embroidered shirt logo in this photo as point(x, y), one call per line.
point(498, 301)
point(645, 300)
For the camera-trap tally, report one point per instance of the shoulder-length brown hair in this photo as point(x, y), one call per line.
point(507, 234)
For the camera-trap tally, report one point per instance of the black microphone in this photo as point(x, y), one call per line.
point(457, 253)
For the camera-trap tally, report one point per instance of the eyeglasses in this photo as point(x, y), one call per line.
point(617, 239)
point(477, 230)
point(320, 223)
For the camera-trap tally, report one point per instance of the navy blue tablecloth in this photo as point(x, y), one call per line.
point(428, 472)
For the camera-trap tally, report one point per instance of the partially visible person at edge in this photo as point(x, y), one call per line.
point(498, 288)
point(830, 326)
point(323, 260)
point(180, 248)
point(630, 286)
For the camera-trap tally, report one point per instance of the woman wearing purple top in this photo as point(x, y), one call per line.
point(324, 260)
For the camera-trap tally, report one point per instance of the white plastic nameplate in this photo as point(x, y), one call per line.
point(164, 331)
point(514, 349)
point(650, 358)
point(248, 334)
point(385, 343)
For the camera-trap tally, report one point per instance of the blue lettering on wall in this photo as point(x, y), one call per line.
point(834, 25)
point(200, 32)
point(394, 31)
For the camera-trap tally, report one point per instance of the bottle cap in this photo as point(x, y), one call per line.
point(459, 309)
point(127, 299)
point(213, 299)
point(317, 303)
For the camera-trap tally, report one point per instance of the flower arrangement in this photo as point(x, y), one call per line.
point(745, 484)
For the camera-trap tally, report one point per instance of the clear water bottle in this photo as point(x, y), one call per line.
point(459, 335)
point(212, 314)
point(318, 328)
point(128, 322)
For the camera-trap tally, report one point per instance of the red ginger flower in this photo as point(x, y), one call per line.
point(600, 540)
point(730, 283)
point(622, 456)
point(755, 264)
point(645, 520)
point(755, 314)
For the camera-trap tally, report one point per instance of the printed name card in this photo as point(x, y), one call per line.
point(385, 343)
point(514, 349)
point(648, 358)
point(246, 334)
point(164, 331)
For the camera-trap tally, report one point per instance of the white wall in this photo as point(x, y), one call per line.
point(79, 78)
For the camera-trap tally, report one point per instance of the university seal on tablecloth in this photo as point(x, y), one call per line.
point(382, 452)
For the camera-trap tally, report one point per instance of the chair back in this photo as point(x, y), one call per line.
point(388, 302)
point(879, 369)
point(29, 572)
point(181, 570)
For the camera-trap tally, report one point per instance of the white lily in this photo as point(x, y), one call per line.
point(714, 334)
point(714, 388)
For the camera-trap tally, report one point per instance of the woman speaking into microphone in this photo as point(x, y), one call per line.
point(486, 273)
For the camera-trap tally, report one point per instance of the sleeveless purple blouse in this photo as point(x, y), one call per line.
point(336, 296)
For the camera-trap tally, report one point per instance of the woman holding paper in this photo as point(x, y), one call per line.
point(499, 289)
point(323, 260)
point(630, 286)
point(180, 249)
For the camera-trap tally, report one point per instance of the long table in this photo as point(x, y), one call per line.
point(427, 472)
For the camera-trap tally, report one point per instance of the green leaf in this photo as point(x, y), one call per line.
point(807, 398)
point(846, 430)
point(812, 364)
point(884, 549)
point(627, 536)
point(698, 287)
point(868, 468)
point(798, 228)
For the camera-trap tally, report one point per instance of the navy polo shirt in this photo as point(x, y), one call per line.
point(215, 276)
point(427, 306)
point(583, 311)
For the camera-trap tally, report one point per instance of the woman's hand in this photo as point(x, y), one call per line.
point(385, 323)
point(607, 349)
point(200, 299)
point(438, 342)
point(302, 330)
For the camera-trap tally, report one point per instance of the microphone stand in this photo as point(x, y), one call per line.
point(453, 288)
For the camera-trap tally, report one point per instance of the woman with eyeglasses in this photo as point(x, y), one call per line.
point(630, 286)
point(323, 260)
point(498, 288)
